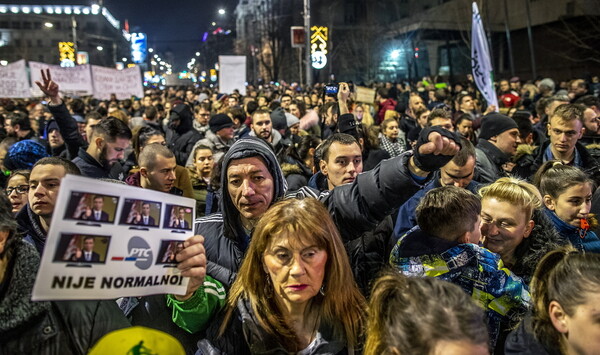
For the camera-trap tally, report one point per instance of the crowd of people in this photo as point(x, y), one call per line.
point(422, 222)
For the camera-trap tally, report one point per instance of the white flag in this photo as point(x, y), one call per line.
point(483, 73)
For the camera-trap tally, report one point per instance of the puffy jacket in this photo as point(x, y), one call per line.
point(479, 272)
point(66, 327)
point(581, 239)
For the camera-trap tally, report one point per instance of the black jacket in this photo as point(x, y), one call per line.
point(66, 327)
point(528, 164)
point(181, 138)
point(244, 336)
point(68, 130)
point(488, 167)
point(90, 167)
point(521, 341)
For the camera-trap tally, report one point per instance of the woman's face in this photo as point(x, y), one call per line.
point(503, 227)
point(204, 161)
point(17, 199)
point(582, 328)
point(295, 129)
point(294, 110)
point(392, 130)
point(465, 128)
point(296, 270)
point(573, 204)
point(359, 111)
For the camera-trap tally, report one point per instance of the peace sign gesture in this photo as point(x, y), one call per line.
point(49, 87)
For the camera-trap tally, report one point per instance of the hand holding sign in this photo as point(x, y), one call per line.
point(192, 263)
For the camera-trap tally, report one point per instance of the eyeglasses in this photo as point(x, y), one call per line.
point(21, 189)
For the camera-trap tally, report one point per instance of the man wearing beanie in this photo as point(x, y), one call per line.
point(219, 137)
point(180, 134)
point(498, 141)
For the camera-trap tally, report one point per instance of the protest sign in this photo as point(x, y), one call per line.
point(232, 73)
point(14, 83)
point(75, 80)
point(365, 95)
point(108, 240)
point(123, 83)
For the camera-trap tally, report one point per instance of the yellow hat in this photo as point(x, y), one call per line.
point(137, 340)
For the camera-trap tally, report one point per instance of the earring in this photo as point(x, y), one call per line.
point(322, 290)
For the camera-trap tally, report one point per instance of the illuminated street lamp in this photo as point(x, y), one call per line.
point(197, 54)
point(221, 11)
point(395, 54)
point(48, 24)
point(100, 48)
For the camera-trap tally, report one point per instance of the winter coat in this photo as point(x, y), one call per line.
point(372, 157)
point(90, 167)
point(355, 208)
point(479, 272)
point(182, 138)
point(522, 341)
point(528, 164)
point(581, 239)
point(215, 143)
point(68, 130)
point(297, 175)
point(30, 227)
point(244, 335)
point(489, 161)
point(66, 327)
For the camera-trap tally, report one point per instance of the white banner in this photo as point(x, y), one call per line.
point(483, 73)
point(75, 80)
point(123, 83)
point(109, 240)
point(13, 80)
point(232, 74)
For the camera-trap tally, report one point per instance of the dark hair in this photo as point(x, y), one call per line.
point(141, 136)
point(523, 123)
point(111, 129)
point(299, 151)
point(94, 115)
point(77, 106)
point(439, 112)
point(69, 166)
point(589, 101)
point(251, 106)
point(237, 113)
point(335, 109)
point(21, 120)
point(448, 212)
point(566, 277)
point(150, 112)
point(7, 219)
point(200, 147)
point(463, 117)
point(403, 319)
point(301, 107)
point(341, 138)
point(23, 173)
point(553, 178)
point(467, 150)
point(260, 111)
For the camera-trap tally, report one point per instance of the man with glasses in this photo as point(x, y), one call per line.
point(201, 117)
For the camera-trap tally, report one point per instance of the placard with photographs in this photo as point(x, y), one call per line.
point(113, 241)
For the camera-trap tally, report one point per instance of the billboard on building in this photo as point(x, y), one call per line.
point(139, 47)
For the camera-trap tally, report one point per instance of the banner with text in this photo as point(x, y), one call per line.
point(123, 83)
point(109, 240)
point(75, 80)
point(14, 83)
point(232, 73)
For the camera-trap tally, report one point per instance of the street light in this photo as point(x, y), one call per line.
point(150, 50)
point(197, 54)
point(99, 48)
point(48, 24)
point(221, 11)
point(395, 54)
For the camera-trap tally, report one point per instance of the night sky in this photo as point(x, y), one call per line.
point(174, 25)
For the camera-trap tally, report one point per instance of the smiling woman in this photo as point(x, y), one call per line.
point(295, 290)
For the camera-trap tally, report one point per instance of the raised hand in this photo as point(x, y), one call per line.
point(49, 87)
point(192, 263)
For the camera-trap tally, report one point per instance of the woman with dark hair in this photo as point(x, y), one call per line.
point(294, 292)
point(300, 162)
point(567, 195)
point(409, 315)
point(17, 189)
point(566, 293)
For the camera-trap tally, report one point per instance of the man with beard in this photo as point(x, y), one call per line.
point(107, 146)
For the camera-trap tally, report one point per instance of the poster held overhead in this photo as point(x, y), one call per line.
point(232, 73)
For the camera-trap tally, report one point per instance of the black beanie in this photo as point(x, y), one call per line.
point(494, 124)
point(347, 124)
point(219, 121)
point(278, 119)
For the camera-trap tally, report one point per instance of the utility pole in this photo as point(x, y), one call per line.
point(508, 41)
point(307, 54)
point(530, 37)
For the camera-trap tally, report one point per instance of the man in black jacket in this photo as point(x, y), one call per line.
point(181, 135)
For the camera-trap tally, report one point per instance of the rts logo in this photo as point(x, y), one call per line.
point(139, 251)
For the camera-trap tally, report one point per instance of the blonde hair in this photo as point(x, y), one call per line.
point(309, 222)
point(391, 114)
point(515, 191)
point(367, 118)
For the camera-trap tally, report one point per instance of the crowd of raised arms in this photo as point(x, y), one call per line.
point(387, 218)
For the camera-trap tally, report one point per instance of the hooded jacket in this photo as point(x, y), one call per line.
point(67, 327)
point(181, 137)
point(29, 226)
point(355, 208)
